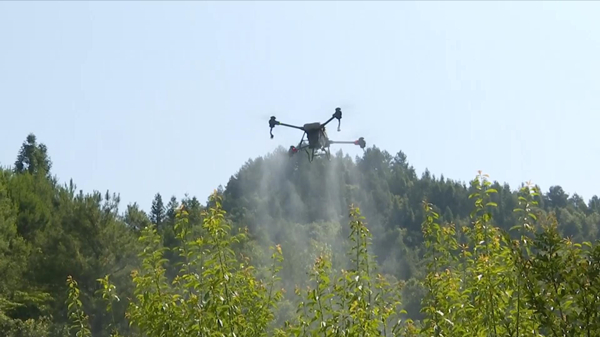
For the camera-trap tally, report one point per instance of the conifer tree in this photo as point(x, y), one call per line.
point(33, 157)
point(157, 213)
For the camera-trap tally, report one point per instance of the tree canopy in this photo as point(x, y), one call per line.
point(346, 247)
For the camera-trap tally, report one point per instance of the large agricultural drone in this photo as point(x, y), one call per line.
point(317, 141)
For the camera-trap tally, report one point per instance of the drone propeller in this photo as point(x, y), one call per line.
point(361, 142)
point(272, 123)
point(349, 104)
point(338, 115)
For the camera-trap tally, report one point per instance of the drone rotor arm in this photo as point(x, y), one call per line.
point(329, 120)
point(337, 114)
point(273, 122)
point(291, 126)
point(360, 142)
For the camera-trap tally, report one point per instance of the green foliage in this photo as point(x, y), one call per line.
point(157, 212)
point(438, 257)
point(215, 292)
point(76, 314)
point(40, 327)
point(48, 231)
point(348, 302)
point(33, 157)
point(539, 284)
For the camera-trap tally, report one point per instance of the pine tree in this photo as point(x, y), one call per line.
point(158, 212)
point(33, 157)
point(172, 209)
point(135, 218)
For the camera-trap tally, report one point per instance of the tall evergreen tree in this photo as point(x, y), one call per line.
point(158, 211)
point(171, 209)
point(135, 217)
point(33, 157)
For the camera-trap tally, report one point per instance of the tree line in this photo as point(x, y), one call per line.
point(347, 247)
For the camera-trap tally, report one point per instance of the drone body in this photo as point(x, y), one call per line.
point(317, 140)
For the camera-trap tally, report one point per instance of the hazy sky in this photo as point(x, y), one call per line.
point(146, 97)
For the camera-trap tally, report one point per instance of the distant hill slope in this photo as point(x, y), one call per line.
point(273, 195)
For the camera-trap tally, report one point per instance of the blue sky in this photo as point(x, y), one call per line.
point(146, 97)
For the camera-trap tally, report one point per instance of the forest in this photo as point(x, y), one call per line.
point(343, 247)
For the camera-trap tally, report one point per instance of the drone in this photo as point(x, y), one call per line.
point(316, 140)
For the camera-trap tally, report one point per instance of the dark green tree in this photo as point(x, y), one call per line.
point(157, 212)
point(33, 157)
point(136, 218)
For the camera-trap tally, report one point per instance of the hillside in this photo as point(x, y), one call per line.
point(50, 231)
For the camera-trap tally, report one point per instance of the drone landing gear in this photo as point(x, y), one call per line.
point(310, 153)
point(315, 153)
